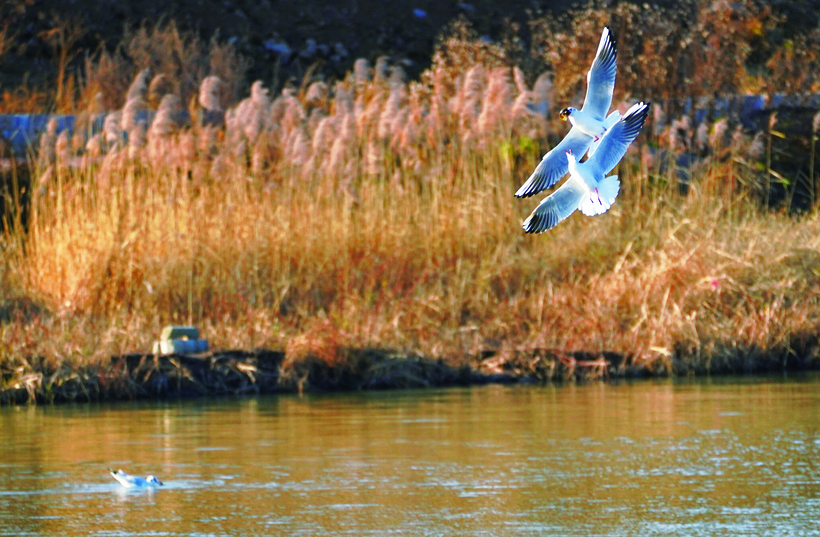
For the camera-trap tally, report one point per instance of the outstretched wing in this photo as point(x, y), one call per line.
point(554, 164)
point(557, 206)
point(601, 77)
point(614, 143)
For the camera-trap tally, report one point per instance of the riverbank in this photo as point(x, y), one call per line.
point(663, 284)
point(141, 376)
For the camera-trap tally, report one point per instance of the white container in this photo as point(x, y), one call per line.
point(180, 340)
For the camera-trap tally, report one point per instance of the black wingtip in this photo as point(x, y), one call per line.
point(542, 178)
point(531, 190)
point(529, 225)
point(539, 222)
point(609, 53)
point(636, 116)
point(608, 28)
point(524, 192)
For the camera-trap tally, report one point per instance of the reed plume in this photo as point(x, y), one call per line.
point(160, 86)
point(132, 113)
point(494, 118)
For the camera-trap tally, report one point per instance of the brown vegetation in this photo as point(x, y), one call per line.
point(377, 213)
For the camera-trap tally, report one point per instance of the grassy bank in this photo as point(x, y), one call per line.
point(378, 214)
point(670, 284)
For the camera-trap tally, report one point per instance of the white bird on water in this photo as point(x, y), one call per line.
point(587, 188)
point(132, 482)
point(589, 124)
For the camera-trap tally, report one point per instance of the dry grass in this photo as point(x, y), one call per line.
point(440, 267)
point(380, 213)
point(688, 49)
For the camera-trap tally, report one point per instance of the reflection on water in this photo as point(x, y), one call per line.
point(738, 457)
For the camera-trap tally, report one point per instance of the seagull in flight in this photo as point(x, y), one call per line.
point(589, 124)
point(588, 188)
point(131, 481)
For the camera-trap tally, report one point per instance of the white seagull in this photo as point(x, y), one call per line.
point(587, 187)
point(132, 482)
point(588, 124)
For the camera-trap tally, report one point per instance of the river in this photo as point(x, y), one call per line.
point(733, 456)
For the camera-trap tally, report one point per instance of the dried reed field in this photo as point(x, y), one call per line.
point(375, 212)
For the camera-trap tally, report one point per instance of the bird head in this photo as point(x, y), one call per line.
point(565, 113)
point(152, 479)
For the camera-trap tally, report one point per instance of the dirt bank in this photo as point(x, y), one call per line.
point(144, 376)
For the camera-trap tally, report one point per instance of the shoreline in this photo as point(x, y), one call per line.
point(263, 371)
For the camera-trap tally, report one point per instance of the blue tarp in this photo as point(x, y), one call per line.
point(23, 130)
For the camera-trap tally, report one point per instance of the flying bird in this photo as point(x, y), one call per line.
point(131, 481)
point(589, 124)
point(588, 188)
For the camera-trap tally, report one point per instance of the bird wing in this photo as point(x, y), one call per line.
point(554, 164)
point(614, 143)
point(557, 206)
point(601, 77)
point(124, 479)
point(611, 120)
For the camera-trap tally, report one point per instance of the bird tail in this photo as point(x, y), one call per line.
point(599, 201)
point(611, 120)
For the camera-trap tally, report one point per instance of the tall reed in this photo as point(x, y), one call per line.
point(384, 210)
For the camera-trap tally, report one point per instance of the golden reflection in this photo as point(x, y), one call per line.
point(466, 461)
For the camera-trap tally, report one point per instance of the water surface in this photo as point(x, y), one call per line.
point(729, 457)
